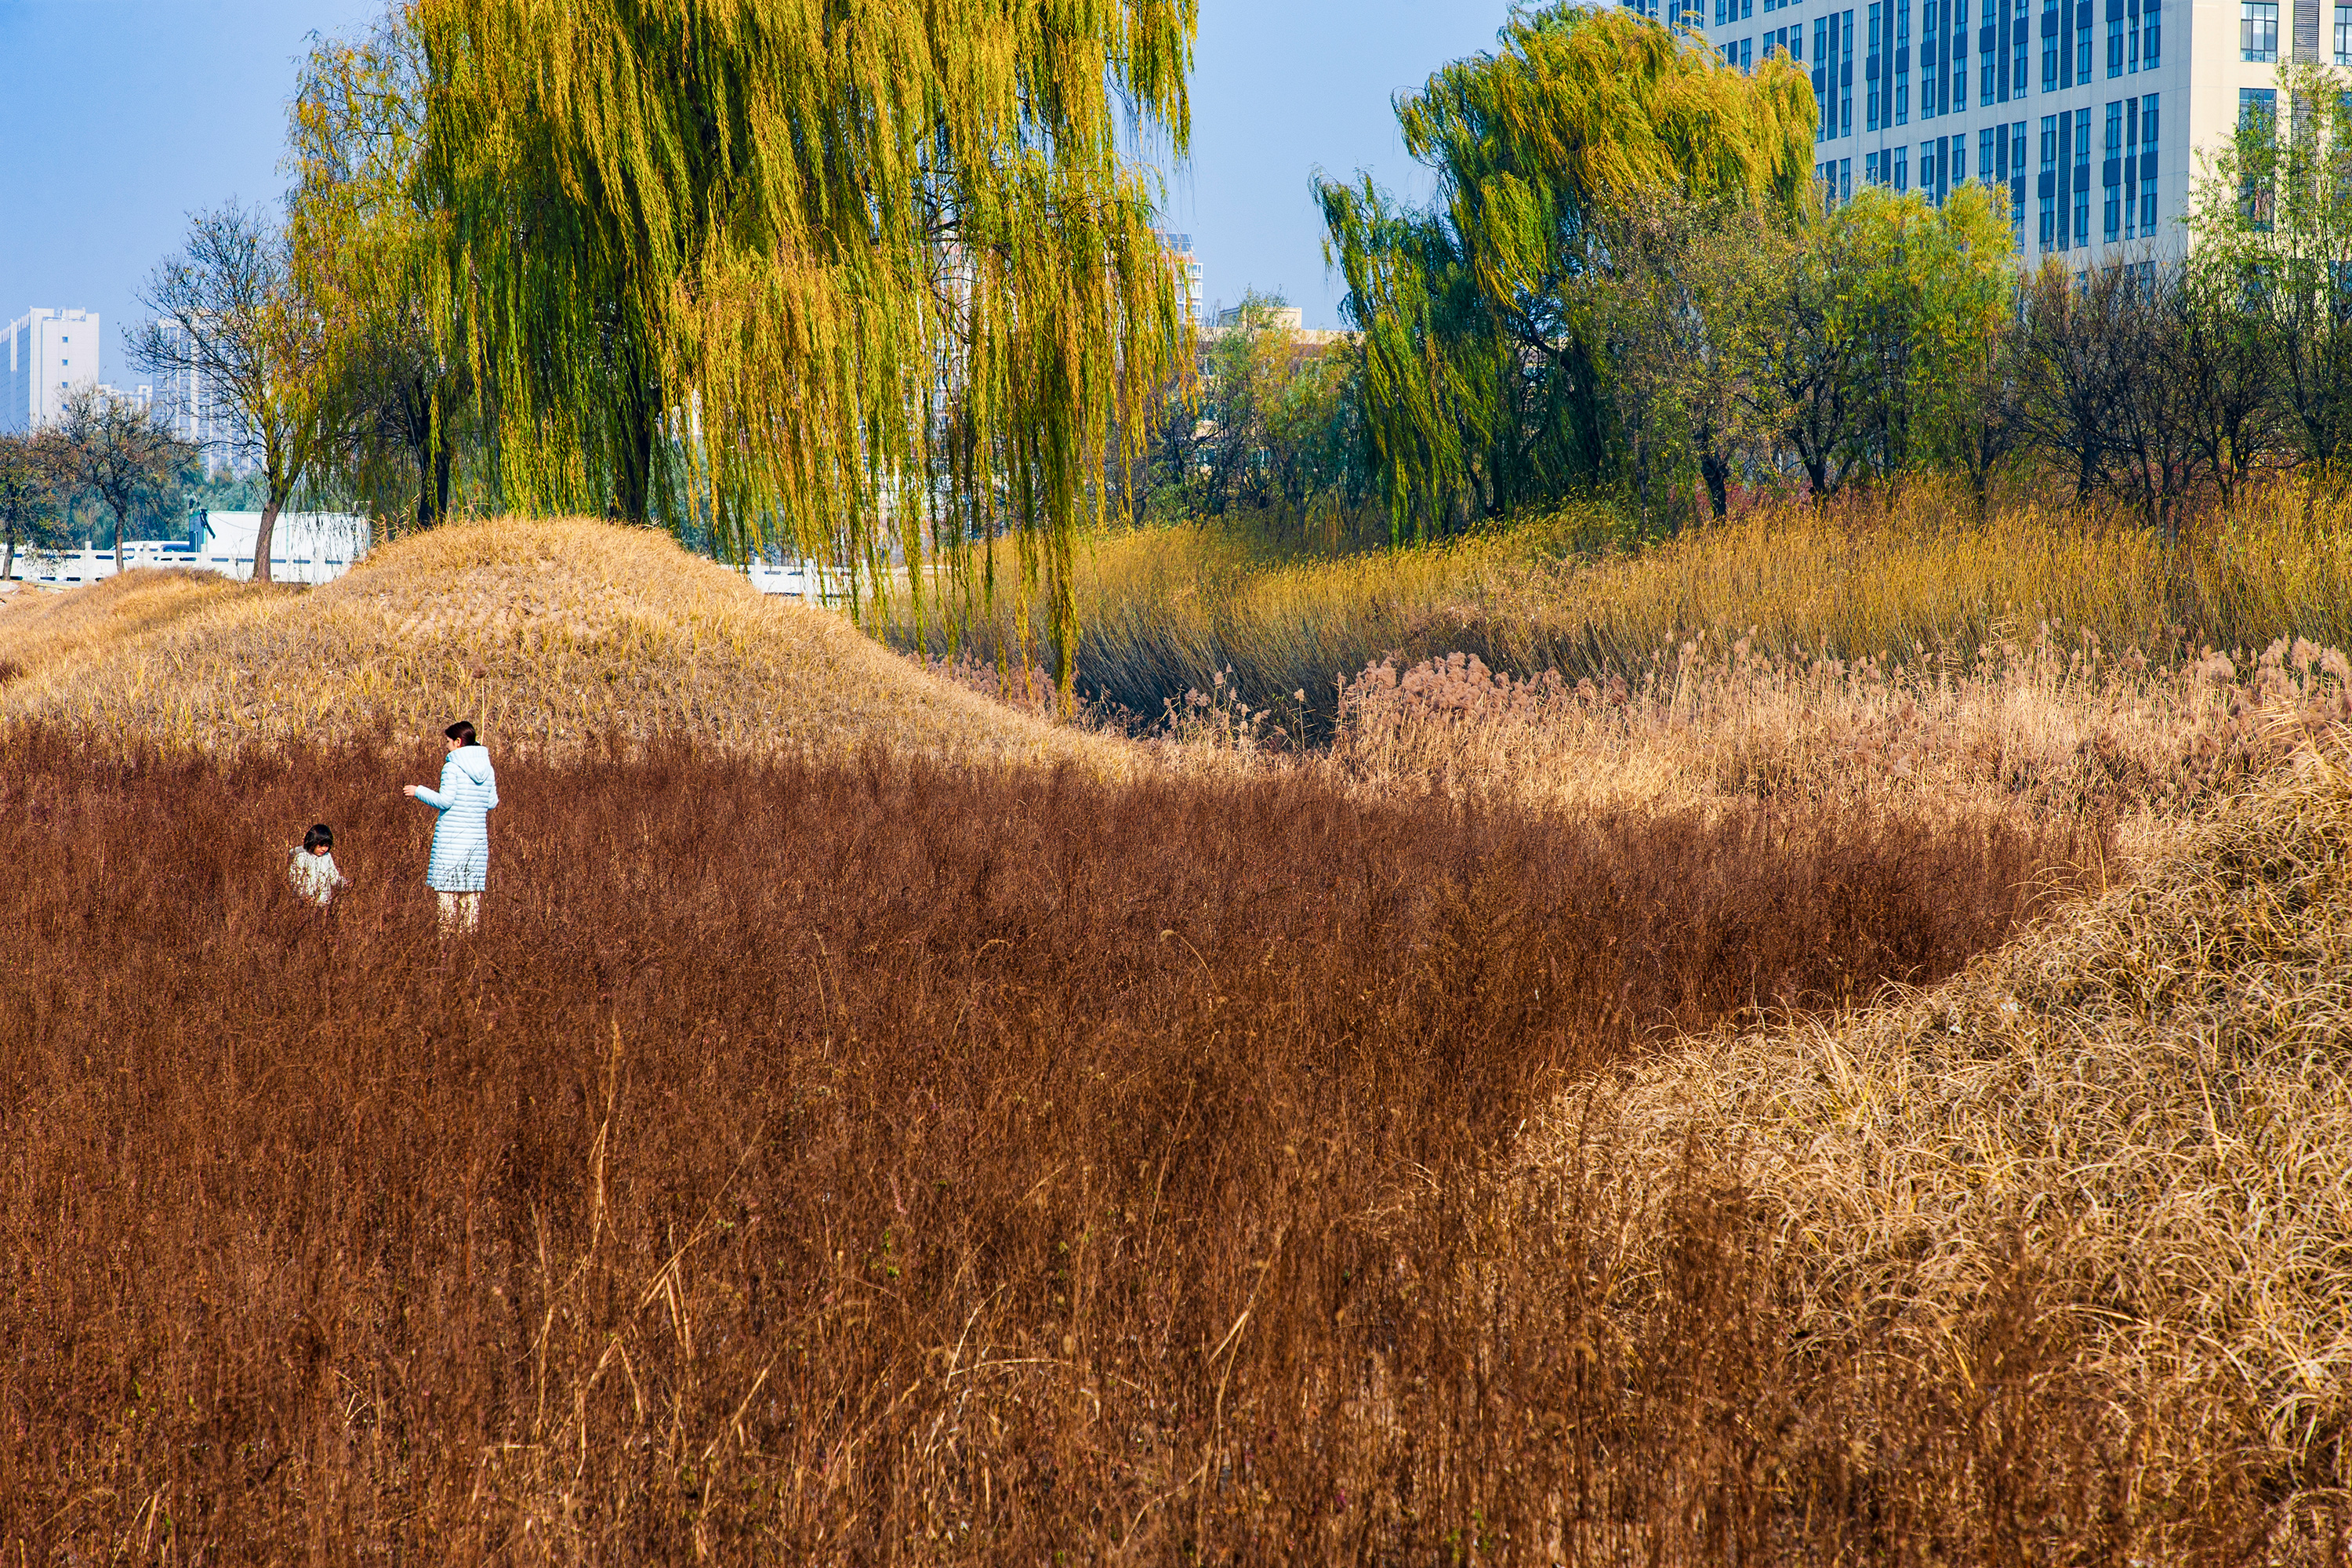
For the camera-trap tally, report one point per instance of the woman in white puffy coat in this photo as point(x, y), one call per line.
point(461, 839)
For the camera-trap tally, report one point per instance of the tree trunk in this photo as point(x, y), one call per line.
point(633, 478)
point(1717, 475)
point(8, 564)
point(261, 539)
point(118, 544)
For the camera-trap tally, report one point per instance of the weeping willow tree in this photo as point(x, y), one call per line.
point(851, 276)
point(1483, 380)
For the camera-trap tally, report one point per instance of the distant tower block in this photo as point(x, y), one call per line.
point(44, 357)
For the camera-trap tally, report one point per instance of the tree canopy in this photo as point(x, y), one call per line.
point(1482, 369)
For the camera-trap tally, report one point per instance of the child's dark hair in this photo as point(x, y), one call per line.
point(462, 731)
point(321, 836)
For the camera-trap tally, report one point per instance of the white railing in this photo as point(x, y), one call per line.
point(72, 568)
point(799, 580)
point(65, 569)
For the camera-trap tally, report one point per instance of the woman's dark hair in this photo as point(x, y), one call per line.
point(462, 731)
point(321, 836)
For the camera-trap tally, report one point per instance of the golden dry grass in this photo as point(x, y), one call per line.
point(1901, 578)
point(2129, 1130)
point(2040, 728)
point(40, 628)
point(547, 633)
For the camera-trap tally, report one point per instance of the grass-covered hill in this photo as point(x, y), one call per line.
point(552, 635)
point(2098, 1186)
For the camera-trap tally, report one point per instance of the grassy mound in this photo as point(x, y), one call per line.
point(39, 629)
point(547, 634)
point(2119, 1150)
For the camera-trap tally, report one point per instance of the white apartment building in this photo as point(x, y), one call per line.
point(46, 354)
point(196, 417)
point(2093, 113)
point(1186, 267)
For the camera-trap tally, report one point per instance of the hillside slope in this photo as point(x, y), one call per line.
point(39, 629)
point(2112, 1159)
point(552, 633)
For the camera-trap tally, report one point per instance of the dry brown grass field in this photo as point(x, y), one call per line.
point(848, 1163)
point(1754, 1100)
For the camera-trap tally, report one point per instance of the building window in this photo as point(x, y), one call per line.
point(1874, 71)
point(2148, 166)
point(2344, 34)
point(2048, 180)
point(2116, 45)
point(1844, 25)
point(2257, 117)
point(1901, 168)
point(1987, 41)
point(2082, 176)
point(2113, 177)
point(1902, 62)
point(2258, 29)
point(2151, 22)
point(2021, 37)
point(2049, 46)
point(1929, 28)
point(1955, 59)
point(2081, 41)
point(1833, 76)
point(2017, 182)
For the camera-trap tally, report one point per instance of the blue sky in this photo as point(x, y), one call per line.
point(122, 116)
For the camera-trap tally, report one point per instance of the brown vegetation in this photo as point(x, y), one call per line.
point(852, 1162)
point(2043, 728)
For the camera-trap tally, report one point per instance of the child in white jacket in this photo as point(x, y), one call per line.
point(314, 872)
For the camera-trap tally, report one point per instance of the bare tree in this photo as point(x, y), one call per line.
point(123, 453)
point(30, 512)
point(2226, 375)
point(2070, 364)
point(231, 323)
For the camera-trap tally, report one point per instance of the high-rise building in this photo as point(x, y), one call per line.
point(45, 355)
point(1187, 269)
point(197, 416)
point(2092, 113)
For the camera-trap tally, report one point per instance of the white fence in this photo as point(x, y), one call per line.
point(305, 547)
point(309, 553)
point(72, 568)
point(799, 580)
